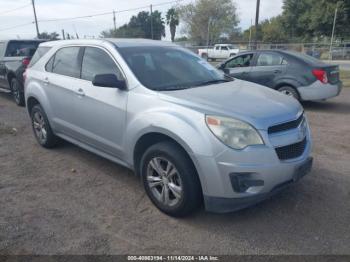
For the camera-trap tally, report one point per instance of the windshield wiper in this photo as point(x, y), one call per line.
point(216, 81)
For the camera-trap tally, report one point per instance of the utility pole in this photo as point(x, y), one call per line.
point(257, 24)
point(250, 34)
point(208, 35)
point(114, 23)
point(36, 20)
point(63, 36)
point(334, 22)
point(151, 21)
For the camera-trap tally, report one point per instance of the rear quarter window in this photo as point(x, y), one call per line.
point(21, 48)
point(40, 52)
point(1, 48)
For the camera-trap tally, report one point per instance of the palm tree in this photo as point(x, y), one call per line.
point(172, 19)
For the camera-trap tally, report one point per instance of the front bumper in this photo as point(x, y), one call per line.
point(319, 91)
point(260, 166)
point(224, 205)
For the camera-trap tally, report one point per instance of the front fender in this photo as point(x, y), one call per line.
point(190, 132)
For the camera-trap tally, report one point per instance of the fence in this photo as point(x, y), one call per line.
point(318, 50)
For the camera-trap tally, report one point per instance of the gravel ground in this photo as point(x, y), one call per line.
point(69, 201)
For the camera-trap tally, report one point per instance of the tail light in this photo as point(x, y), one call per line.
point(26, 61)
point(320, 75)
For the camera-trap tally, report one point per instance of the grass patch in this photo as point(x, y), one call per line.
point(345, 77)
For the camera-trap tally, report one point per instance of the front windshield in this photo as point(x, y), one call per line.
point(169, 68)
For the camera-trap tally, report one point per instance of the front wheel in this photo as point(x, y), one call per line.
point(17, 92)
point(289, 91)
point(170, 179)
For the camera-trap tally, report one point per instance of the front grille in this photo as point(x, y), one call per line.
point(291, 151)
point(285, 126)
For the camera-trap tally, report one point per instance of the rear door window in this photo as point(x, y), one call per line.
point(96, 62)
point(269, 59)
point(40, 52)
point(21, 48)
point(66, 62)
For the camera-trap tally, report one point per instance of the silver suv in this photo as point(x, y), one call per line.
point(190, 132)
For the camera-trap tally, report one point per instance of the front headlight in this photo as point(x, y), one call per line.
point(232, 132)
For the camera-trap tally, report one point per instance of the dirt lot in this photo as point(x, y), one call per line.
point(69, 201)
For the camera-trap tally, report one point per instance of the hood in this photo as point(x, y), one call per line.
point(258, 105)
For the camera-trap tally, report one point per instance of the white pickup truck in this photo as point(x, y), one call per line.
point(220, 51)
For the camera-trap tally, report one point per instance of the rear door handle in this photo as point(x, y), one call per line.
point(46, 81)
point(80, 92)
point(277, 71)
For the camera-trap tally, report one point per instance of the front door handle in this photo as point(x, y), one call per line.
point(80, 92)
point(277, 71)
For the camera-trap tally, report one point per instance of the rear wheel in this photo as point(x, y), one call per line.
point(205, 56)
point(289, 91)
point(17, 92)
point(170, 179)
point(41, 128)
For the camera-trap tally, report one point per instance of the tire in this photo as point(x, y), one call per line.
point(42, 129)
point(205, 57)
point(17, 92)
point(289, 91)
point(175, 189)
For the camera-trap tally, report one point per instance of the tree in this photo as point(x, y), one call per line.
point(172, 19)
point(139, 26)
point(49, 36)
point(310, 19)
point(208, 20)
point(272, 30)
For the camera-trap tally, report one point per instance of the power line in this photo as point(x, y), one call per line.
point(12, 27)
point(89, 16)
point(106, 13)
point(15, 9)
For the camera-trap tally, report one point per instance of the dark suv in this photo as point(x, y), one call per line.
point(15, 55)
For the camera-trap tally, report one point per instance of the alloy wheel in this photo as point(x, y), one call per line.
point(39, 127)
point(164, 181)
point(16, 92)
point(287, 92)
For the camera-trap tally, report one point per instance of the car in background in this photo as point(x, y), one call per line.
point(220, 51)
point(15, 55)
point(294, 74)
point(341, 52)
point(189, 132)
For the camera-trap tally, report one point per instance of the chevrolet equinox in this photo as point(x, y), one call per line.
point(190, 132)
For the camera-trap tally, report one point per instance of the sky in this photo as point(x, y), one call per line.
point(89, 27)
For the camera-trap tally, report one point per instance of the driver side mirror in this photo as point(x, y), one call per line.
point(109, 80)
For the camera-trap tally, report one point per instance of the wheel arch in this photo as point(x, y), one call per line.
point(10, 76)
point(31, 102)
point(151, 138)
